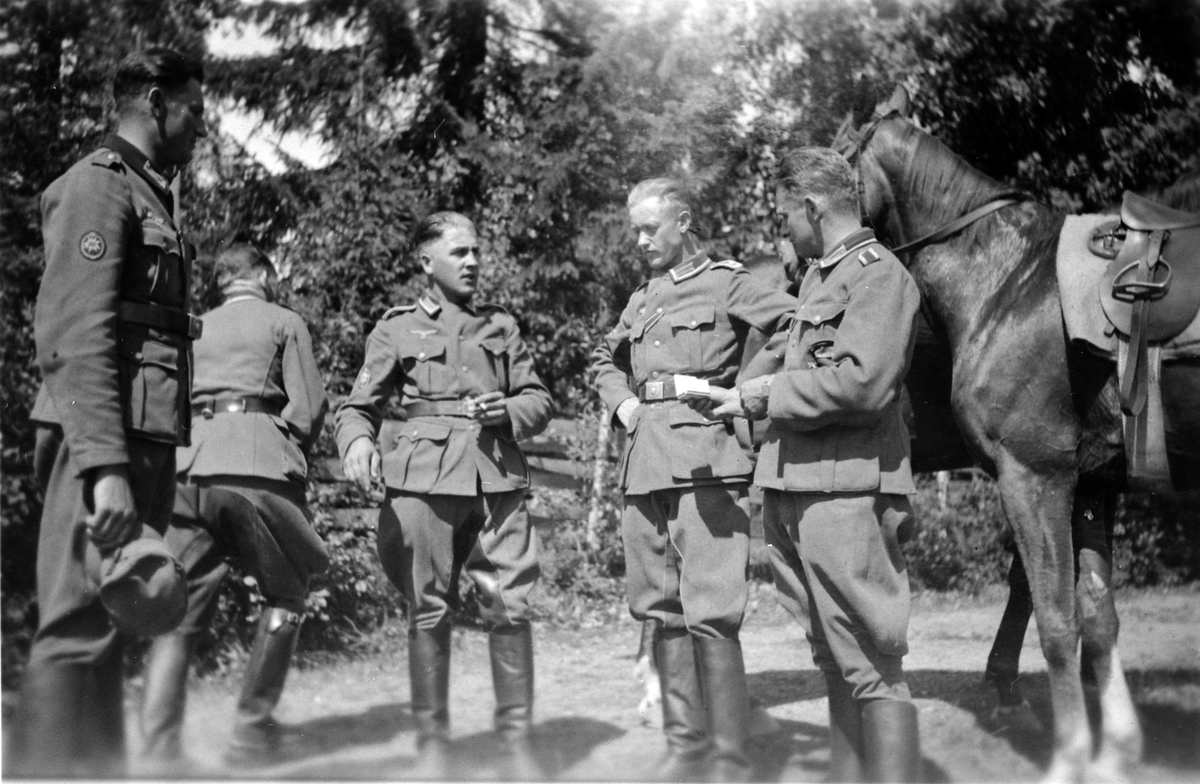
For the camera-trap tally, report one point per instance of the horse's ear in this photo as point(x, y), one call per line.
point(898, 103)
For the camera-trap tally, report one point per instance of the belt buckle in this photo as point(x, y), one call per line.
point(654, 390)
point(235, 406)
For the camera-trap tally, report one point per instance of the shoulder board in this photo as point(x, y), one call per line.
point(728, 264)
point(110, 159)
point(396, 311)
point(491, 306)
point(868, 256)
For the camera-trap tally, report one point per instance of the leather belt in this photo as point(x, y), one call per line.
point(236, 405)
point(161, 317)
point(657, 390)
point(420, 408)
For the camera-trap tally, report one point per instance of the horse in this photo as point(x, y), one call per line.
point(1003, 664)
point(1032, 409)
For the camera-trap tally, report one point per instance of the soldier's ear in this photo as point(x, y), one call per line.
point(156, 99)
point(685, 220)
point(812, 209)
point(426, 263)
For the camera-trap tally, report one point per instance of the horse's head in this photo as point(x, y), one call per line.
point(854, 141)
point(910, 185)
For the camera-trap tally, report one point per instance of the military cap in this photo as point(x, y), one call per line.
point(143, 587)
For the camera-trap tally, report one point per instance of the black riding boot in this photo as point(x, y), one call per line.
point(891, 741)
point(255, 737)
point(723, 679)
point(845, 732)
point(429, 682)
point(164, 695)
point(682, 707)
point(511, 649)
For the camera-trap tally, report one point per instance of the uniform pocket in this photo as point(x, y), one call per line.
point(690, 328)
point(148, 372)
point(416, 462)
point(704, 448)
point(496, 351)
point(156, 269)
point(425, 363)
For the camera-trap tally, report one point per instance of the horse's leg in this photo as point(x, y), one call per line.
point(1004, 659)
point(1121, 735)
point(1038, 506)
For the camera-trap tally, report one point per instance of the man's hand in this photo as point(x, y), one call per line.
point(625, 411)
point(488, 409)
point(114, 513)
point(755, 393)
point(726, 403)
point(362, 464)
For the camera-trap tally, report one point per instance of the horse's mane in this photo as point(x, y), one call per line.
point(936, 176)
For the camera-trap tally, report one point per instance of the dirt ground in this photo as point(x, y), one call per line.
point(350, 720)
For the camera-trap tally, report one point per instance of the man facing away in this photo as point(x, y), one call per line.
point(835, 467)
point(113, 344)
point(685, 535)
point(258, 403)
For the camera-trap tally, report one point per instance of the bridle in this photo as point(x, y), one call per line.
point(854, 156)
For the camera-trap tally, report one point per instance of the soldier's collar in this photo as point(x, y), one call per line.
point(851, 243)
point(690, 267)
point(433, 303)
point(137, 160)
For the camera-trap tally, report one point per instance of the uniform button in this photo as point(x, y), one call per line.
point(421, 355)
point(660, 310)
point(465, 368)
point(641, 311)
point(658, 343)
point(693, 322)
point(654, 374)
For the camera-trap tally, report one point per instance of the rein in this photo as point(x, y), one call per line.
point(942, 232)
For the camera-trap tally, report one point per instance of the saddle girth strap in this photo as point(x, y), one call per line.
point(1144, 433)
point(1144, 290)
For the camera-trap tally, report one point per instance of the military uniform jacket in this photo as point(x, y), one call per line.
point(438, 352)
point(254, 348)
point(111, 326)
point(836, 422)
point(693, 320)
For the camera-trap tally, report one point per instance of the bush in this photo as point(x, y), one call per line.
point(958, 546)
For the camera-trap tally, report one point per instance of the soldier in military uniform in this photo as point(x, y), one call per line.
point(686, 536)
point(113, 344)
point(258, 403)
point(456, 479)
point(835, 466)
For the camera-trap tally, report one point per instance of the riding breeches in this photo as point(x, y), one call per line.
point(425, 540)
point(839, 570)
point(263, 523)
point(687, 558)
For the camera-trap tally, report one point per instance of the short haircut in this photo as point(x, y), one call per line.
point(669, 189)
point(432, 227)
point(819, 172)
point(156, 67)
point(240, 261)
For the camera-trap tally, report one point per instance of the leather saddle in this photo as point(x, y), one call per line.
point(1150, 293)
point(1155, 254)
